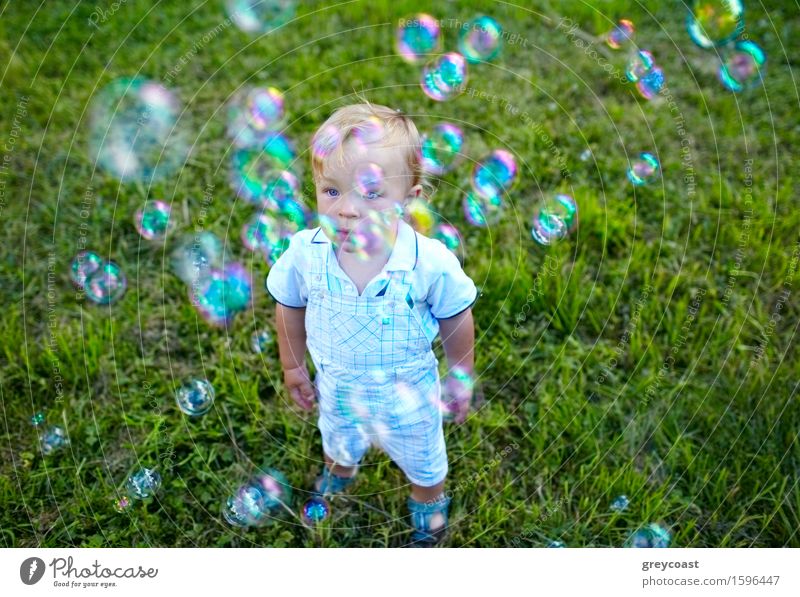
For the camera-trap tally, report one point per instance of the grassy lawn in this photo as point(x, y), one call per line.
point(652, 353)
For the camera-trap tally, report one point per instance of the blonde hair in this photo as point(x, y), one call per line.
point(373, 123)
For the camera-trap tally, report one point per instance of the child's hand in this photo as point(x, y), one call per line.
point(458, 396)
point(298, 383)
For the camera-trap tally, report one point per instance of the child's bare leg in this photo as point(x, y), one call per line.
point(338, 469)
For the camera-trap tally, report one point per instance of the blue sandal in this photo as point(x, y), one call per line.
point(330, 484)
point(421, 515)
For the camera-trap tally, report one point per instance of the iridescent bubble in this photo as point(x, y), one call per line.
point(53, 439)
point(481, 39)
point(444, 77)
point(369, 180)
point(84, 263)
point(416, 37)
point(369, 131)
point(254, 114)
point(494, 174)
point(257, 173)
point(641, 63)
point(458, 385)
point(644, 170)
point(260, 16)
point(264, 108)
point(153, 221)
point(225, 293)
point(651, 83)
point(296, 215)
point(134, 130)
point(621, 35)
point(556, 544)
point(554, 219)
point(652, 535)
point(325, 141)
point(442, 148)
point(195, 397)
point(449, 236)
point(37, 420)
point(482, 212)
point(275, 487)
point(713, 23)
point(246, 507)
point(143, 483)
point(620, 503)
point(106, 285)
point(196, 256)
point(315, 511)
point(122, 504)
point(268, 235)
point(370, 236)
point(421, 215)
point(742, 67)
point(260, 341)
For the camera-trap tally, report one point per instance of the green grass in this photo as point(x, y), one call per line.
point(573, 351)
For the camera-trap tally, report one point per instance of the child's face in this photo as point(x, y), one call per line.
point(348, 203)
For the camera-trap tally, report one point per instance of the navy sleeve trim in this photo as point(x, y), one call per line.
point(460, 312)
point(284, 304)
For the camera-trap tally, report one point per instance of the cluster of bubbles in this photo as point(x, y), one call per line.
point(554, 219)
point(103, 282)
point(715, 25)
point(257, 501)
point(491, 178)
point(152, 220)
point(644, 170)
point(195, 397)
point(254, 114)
point(134, 130)
point(260, 16)
point(143, 484)
point(650, 536)
point(641, 68)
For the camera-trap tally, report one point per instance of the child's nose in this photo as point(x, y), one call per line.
point(348, 207)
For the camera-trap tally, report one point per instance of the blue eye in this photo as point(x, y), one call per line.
point(373, 195)
point(331, 192)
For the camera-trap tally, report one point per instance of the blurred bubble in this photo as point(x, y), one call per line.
point(260, 16)
point(651, 83)
point(254, 114)
point(325, 141)
point(260, 341)
point(152, 221)
point(369, 131)
point(620, 503)
point(554, 219)
point(556, 544)
point(369, 180)
point(275, 487)
point(196, 255)
point(586, 155)
point(315, 511)
point(482, 212)
point(449, 236)
point(641, 63)
point(458, 385)
point(267, 234)
point(225, 293)
point(742, 67)
point(650, 536)
point(246, 507)
point(37, 419)
point(54, 438)
point(421, 215)
point(106, 284)
point(134, 130)
point(296, 215)
point(195, 397)
point(445, 77)
point(494, 174)
point(442, 148)
point(644, 170)
point(259, 175)
point(416, 37)
point(715, 22)
point(143, 483)
point(83, 264)
point(371, 236)
point(122, 504)
point(621, 35)
point(481, 39)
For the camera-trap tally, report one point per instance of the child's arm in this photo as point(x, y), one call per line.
point(291, 327)
point(458, 341)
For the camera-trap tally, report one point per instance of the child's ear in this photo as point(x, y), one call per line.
point(414, 192)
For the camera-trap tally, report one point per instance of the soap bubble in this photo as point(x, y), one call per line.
point(196, 255)
point(258, 175)
point(370, 236)
point(586, 155)
point(153, 221)
point(449, 236)
point(260, 341)
point(260, 16)
point(444, 78)
point(641, 63)
point(554, 219)
point(296, 215)
point(644, 170)
point(482, 212)
point(54, 438)
point(742, 67)
point(481, 39)
point(254, 114)
point(143, 483)
point(369, 131)
point(122, 504)
point(134, 132)
point(621, 35)
point(275, 487)
point(442, 148)
point(715, 22)
point(369, 180)
point(37, 420)
point(325, 141)
point(315, 510)
point(225, 293)
point(84, 264)
point(556, 544)
point(494, 174)
point(651, 83)
point(416, 37)
point(195, 398)
point(106, 285)
point(268, 235)
point(421, 215)
point(620, 503)
point(246, 507)
point(458, 385)
point(651, 535)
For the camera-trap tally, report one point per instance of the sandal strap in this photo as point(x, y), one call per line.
point(330, 484)
point(421, 515)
